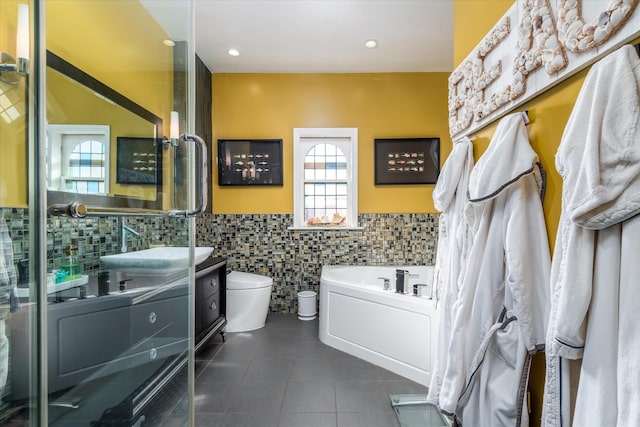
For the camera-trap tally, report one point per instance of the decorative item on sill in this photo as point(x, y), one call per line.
point(325, 221)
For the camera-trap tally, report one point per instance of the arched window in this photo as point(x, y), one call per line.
point(86, 168)
point(325, 182)
point(325, 177)
point(78, 158)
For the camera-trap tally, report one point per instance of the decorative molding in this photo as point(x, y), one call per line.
point(551, 34)
point(579, 36)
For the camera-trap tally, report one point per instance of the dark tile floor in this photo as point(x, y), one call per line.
point(282, 375)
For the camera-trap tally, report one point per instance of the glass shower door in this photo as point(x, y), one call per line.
point(86, 173)
point(119, 255)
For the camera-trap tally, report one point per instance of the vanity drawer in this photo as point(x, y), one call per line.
point(157, 322)
point(85, 341)
point(210, 310)
point(209, 284)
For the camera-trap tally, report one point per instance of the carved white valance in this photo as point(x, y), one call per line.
point(534, 46)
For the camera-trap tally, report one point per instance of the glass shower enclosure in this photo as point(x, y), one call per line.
point(97, 251)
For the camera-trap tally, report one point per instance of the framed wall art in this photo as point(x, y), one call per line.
point(138, 160)
point(249, 162)
point(406, 160)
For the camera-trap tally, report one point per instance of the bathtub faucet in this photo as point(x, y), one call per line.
point(417, 292)
point(386, 283)
point(402, 281)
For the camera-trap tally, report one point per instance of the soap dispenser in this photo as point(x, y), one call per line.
point(71, 263)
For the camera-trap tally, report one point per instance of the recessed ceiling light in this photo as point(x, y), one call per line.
point(169, 42)
point(233, 52)
point(371, 43)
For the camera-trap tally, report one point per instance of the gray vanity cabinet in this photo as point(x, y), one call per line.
point(95, 337)
point(99, 336)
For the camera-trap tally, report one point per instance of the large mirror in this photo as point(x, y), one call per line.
point(110, 89)
point(102, 147)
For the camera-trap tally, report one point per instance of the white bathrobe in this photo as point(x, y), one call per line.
point(502, 308)
point(595, 284)
point(450, 198)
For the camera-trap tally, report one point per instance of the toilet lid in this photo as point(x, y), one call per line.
point(241, 280)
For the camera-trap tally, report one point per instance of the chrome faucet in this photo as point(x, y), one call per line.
point(386, 283)
point(402, 281)
point(124, 230)
point(417, 290)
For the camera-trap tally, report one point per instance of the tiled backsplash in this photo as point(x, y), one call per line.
point(92, 237)
point(260, 244)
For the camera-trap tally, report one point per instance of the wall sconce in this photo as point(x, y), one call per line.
point(11, 68)
point(174, 131)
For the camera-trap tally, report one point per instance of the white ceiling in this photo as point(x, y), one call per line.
point(325, 36)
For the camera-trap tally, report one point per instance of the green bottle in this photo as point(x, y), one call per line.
point(71, 264)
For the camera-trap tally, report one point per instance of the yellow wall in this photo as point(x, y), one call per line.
point(472, 20)
point(379, 105)
point(13, 134)
point(118, 43)
point(120, 46)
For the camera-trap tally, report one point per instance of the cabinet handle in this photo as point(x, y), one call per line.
point(152, 317)
point(213, 283)
point(213, 306)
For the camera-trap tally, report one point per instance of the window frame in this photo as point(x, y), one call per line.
point(68, 149)
point(59, 154)
point(303, 140)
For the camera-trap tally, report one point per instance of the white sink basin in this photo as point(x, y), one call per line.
point(157, 260)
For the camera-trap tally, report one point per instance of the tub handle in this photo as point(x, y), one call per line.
point(416, 289)
point(386, 283)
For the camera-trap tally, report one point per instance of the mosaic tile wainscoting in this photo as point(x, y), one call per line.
point(92, 237)
point(262, 244)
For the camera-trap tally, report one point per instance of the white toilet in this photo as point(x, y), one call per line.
point(248, 297)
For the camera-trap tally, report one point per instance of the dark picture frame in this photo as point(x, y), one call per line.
point(249, 162)
point(406, 160)
point(138, 160)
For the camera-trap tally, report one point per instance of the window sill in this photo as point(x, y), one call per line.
point(322, 228)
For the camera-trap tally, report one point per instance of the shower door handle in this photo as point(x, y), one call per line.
point(202, 204)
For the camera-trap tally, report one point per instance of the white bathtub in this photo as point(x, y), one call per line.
point(394, 331)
